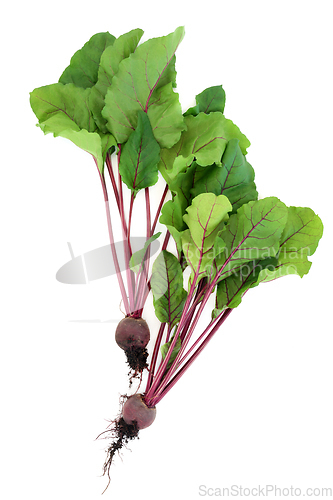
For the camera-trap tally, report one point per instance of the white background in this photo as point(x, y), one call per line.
point(256, 407)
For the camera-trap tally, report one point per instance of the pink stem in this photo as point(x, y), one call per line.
point(161, 370)
point(127, 251)
point(200, 292)
point(164, 246)
point(168, 334)
point(129, 223)
point(211, 324)
point(154, 356)
point(149, 233)
point(113, 248)
point(159, 208)
point(166, 240)
point(113, 181)
point(148, 288)
point(153, 401)
point(144, 273)
point(185, 342)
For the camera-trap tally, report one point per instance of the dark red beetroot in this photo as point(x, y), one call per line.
point(132, 332)
point(136, 411)
point(136, 415)
point(132, 335)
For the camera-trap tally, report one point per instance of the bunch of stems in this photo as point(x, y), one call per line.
point(134, 295)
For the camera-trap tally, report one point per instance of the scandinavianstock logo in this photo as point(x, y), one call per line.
point(98, 263)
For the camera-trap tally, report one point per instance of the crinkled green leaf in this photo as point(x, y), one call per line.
point(108, 144)
point(92, 142)
point(176, 349)
point(66, 102)
point(136, 86)
point(172, 165)
point(299, 240)
point(172, 218)
point(83, 68)
point(234, 178)
point(137, 259)
point(63, 111)
point(205, 139)
point(167, 287)
point(164, 113)
point(210, 100)
point(108, 67)
point(173, 210)
point(205, 218)
point(140, 156)
point(253, 233)
point(230, 291)
point(181, 187)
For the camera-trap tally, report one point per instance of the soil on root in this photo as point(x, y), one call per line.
point(121, 433)
point(137, 361)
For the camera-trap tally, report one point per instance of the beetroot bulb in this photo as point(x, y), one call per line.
point(132, 335)
point(136, 415)
point(136, 411)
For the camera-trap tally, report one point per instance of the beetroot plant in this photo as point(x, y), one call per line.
point(117, 101)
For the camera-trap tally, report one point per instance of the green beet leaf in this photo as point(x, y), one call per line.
point(205, 139)
point(63, 111)
point(173, 163)
point(108, 67)
point(210, 100)
point(138, 86)
point(173, 210)
point(108, 145)
point(176, 349)
point(83, 68)
point(299, 240)
point(205, 218)
point(94, 143)
point(138, 258)
point(229, 291)
point(164, 113)
point(253, 233)
point(66, 102)
point(234, 178)
point(172, 218)
point(167, 287)
point(140, 156)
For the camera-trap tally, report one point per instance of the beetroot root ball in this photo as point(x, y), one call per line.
point(132, 332)
point(136, 410)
